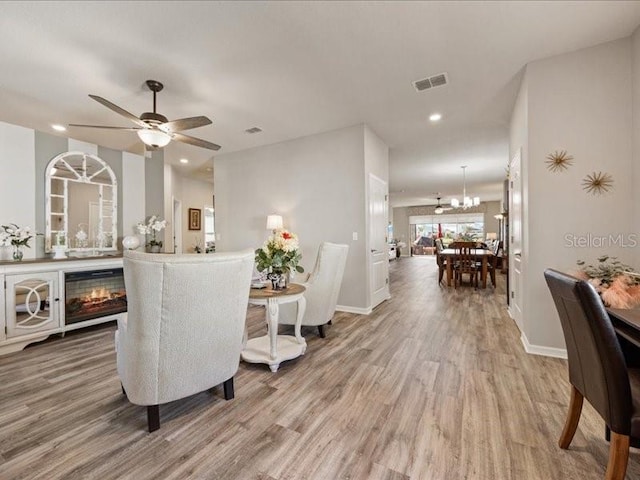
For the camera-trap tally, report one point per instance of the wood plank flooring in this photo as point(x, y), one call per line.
point(433, 385)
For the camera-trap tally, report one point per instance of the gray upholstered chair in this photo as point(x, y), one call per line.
point(598, 370)
point(184, 328)
point(322, 288)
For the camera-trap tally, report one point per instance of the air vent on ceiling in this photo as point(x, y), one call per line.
point(253, 130)
point(431, 82)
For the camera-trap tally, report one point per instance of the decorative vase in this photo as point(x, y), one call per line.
point(59, 252)
point(155, 249)
point(17, 253)
point(279, 281)
point(130, 242)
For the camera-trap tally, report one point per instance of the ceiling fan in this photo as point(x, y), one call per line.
point(154, 129)
point(440, 209)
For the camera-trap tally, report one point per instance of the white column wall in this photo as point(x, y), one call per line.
point(133, 197)
point(17, 182)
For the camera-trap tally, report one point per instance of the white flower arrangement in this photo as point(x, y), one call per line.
point(279, 254)
point(13, 235)
point(153, 226)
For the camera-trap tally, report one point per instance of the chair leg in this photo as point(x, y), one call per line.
point(573, 417)
point(153, 417)
point(228, 389)
point(321, 331)
point(618, 457)
point(329, 323)
point(122, 387)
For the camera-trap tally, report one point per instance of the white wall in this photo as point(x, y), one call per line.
point(579, 102)
point(17, 182)
point(317, 183)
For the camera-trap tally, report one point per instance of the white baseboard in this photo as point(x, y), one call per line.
point(540, 350)
point(358, 310)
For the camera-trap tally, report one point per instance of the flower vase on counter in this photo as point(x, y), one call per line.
point(17, 237)
point(153, 226)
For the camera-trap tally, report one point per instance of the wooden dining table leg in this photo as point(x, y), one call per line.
point(484, 271)
point(449, 272)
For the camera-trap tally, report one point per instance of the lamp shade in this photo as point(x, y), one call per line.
point(492, 236)
point(154, 138)
point(274, 222)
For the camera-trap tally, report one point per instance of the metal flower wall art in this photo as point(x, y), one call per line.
point(597, 183)
point(559, 161)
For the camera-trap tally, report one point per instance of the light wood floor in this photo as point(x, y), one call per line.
point(433, 385)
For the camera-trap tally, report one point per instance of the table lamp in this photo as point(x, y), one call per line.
point(274, 222)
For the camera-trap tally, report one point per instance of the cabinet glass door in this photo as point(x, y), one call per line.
point(31, 303)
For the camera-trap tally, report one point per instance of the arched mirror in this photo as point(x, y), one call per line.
point(81, 210)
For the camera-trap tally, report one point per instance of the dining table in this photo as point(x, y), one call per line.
point(626, 323)
point(481, 254)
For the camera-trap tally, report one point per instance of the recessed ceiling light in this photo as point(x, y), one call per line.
point(59, 128)
point(184, 160)
point(435, 117)
point(209, 169)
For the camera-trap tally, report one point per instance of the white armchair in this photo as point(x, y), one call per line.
point(323, 287)
point(183, 331)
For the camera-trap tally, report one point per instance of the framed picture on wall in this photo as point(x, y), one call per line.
point(195, 219)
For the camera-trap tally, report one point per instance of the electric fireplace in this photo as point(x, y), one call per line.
point(94, 294)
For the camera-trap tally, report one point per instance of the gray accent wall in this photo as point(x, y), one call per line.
point(154, 193)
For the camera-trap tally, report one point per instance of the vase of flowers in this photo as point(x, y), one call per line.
point(151, 229)
point(617, 283)
point(17, 237)
point(278, 257)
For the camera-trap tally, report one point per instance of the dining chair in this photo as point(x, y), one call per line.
point(492, 265)
point(441, 261)
point(184, 327)
point(464, 262)
point(597, 368)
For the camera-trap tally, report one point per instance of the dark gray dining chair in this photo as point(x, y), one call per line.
point(597, 368)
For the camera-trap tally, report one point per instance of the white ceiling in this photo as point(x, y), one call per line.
point(296, 69)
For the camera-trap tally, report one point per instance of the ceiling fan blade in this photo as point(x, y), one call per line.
point(198, 142)
point(131, 129)
point(185, 124)
point(119, 110)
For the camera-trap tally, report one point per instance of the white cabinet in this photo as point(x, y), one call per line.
point(32, 299)
point(32, 303)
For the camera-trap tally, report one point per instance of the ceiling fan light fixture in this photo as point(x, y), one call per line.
point(154, 138)
point(438, 210)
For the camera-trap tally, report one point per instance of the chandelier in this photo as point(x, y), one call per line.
point(467, 202)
